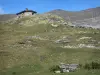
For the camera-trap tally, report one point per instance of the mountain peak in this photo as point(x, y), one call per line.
point(57, 10)
point(60, 10)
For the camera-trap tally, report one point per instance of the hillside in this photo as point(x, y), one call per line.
point(32, 45)
point(78, 15)
point(92, 22)
point(6, 17)
point(85, 18)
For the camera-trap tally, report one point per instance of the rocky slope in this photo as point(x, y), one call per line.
point(86, 18)
point(92, 22)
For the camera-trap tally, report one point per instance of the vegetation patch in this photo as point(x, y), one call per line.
point(92, 65)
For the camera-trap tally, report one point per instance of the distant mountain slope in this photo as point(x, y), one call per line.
point(7, 17)
point(78, 15)
point(91, 22)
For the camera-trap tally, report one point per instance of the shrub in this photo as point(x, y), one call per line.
point(14, 73)
point(21, 42)
point(87, 66)
point(80, 66)
point(92, 65)
point(95, 65)
point(54, 68)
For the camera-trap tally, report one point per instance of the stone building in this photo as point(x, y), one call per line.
point(26, 13)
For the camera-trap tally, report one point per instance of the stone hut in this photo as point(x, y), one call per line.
point(26, 13)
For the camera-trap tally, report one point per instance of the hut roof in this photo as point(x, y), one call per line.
point(26, 11)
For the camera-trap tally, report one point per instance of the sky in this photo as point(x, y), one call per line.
point(42, 6)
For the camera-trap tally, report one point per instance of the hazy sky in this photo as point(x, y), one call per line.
point(41, 6)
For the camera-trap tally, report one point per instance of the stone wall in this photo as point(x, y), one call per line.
point(27, 14)
point(24, 14)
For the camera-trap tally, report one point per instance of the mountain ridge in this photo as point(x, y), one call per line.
point(77, 15)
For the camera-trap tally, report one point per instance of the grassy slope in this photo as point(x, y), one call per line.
point(39, 55)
